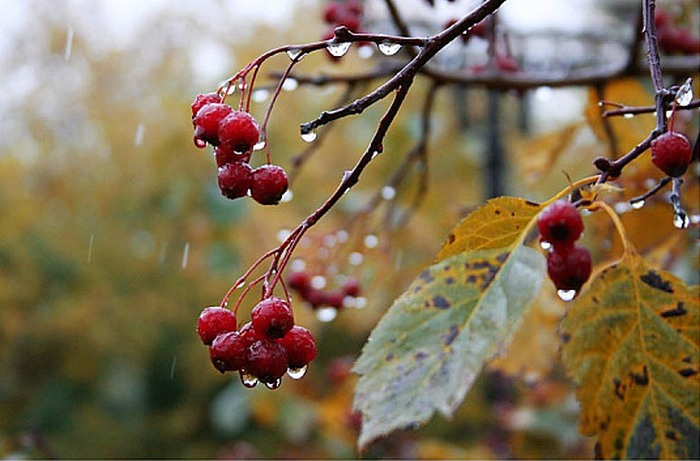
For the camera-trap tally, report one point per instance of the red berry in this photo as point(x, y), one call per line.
point(272, 317)
point(235, 179)
point(239, 132)
point(569, 267)
point(671, 153)
point(351, 287)
point(480, 29)
point(267, 360)
point(202, 100)
point(299, 281)
point(224, 155)
point(214, 321)
point(269, 184)
point(229, 352)
point(300, 346)
point(334, 298)
point(507, 63)
point(207, 121)
point(560, 223)
point(250, 334)
point(331, 12)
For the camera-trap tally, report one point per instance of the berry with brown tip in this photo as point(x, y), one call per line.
point(671, 153)
point(214, 321)
point(269, 184)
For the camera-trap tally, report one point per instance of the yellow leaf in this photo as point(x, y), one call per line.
point(498, 224)
point(631, 344)
point(537, 155)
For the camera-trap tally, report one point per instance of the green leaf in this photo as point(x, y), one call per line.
point(429, 348)
point(631, 343)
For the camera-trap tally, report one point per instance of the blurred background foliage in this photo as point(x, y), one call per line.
point(113, 237)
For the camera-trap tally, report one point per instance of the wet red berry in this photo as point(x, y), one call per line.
point(235, 179)
point(300, 346)
point(671, 153)
point(229, 352)
point(214, 321)
point(202, 100)
point(351, 287)
point(239, 132)
point(569, 267)
point(207, 122)
point(299, 281)
point(272, 317)
point(560, 223)
point(269, 184)
point(267, 360)
point(224, 155)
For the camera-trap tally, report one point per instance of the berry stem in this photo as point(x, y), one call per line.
point(616, 221)
point(573, 186)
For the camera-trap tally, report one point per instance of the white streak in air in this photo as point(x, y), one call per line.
point(185, 255)
point(68, 50)
point(92, 240)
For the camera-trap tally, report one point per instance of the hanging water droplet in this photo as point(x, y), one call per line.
point(290, 84)
point(669, 113)
point(375, 154)
point(628, 116)
point(309, 137)
point(684, 96)
point(293, 53)
point(326, 314)
point(260, 95)
point(287, 196)
point(260, 145)
point(545, 245)
point(566, 295)
point(388, 193)
point(371, 241)
point(339, 49)
point(273, 384)
point(232, 88)
point(681, 220)
point(248, 380)
point(346, 174)
point(389, 48)
point(637, 203)
point(297, 373)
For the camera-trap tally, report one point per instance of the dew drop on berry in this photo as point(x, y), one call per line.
point(293, 53)
point(248, 380)
point(260, 95)
point(684, 96)
point(297, 373)
point(326, 314)
point(637, 204)
point(567, 295)
point(388, 48)
point(545, 245)
point(260, 145)
point(309, 137)
point(681, 220)
point(273, 384)
point(290, 84)
point(338, 49)
point(287, 196)
point(199, 143)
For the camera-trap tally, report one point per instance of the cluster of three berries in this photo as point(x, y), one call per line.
point(234, 134)
point(263, 349)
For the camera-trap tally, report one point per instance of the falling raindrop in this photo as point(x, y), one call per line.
point(684, 96)
point(260, 95)
point(566, 295)
point(637, 203)
point(326, 314)
point(185, 255)
point(248, 380)
point(294, 53)
point(290, 84)
point(389, 48)
point(309, 136)
point(92, 240)
point(339, 49)
point(68, 50)
point(138, 137)
point(318, 282)
point(273, 384)
point(297, 373)
point(388, 193)
point(681, 220)
point(371, 241)
point(545, 245)
point(172, 367)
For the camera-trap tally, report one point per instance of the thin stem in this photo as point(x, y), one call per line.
point(616, 221)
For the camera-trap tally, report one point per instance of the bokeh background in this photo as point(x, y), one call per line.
point(113, 237)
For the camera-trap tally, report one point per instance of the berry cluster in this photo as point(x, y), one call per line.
point(234, 134)
point(262, 350)
point(671, 153)
point(568, 264)
point(673, 39)
point(318, 298)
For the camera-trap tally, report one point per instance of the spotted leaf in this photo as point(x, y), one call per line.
point(631, 344)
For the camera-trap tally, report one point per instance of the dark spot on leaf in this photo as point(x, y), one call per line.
point(420, 355)
point(566, 337)
point(512, 214)
point(389, 357)
point(688, 359)
point(529, 203)
point(595, 300)
point(641, 379)
point(619, 389)
point(440, 302)
point(471, 278)
point(604, 424)
point(671, 435)
point(654, 280)
point(425, 276)
point(449, 280)
point(497, 211)
point(451, 238)
point(502, 257)
point(481, 264)
point(676, 312)
point(451, 335)
point(488, 276)
point(687, 372)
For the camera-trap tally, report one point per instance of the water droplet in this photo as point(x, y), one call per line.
point(339, 49)
point(309, 137)
point(260, 145)
point(199, 143)
point(294, 53)
point(389, 48)
point(68, 50)
point(231, 88)
point(388, 193)
point(356, 258)
point(290, 84)
point(371, 241)
point(318, 282)
point(248, 380)
point(326, 314)
point(567, 295)
point(684, 96)
point(669, 113)
point(185, 255)
point(242, 85)
point(375, 154)
point(681, 220)
point(346, 174)
point(273, 384)
point(545, 245)
point(287, 196)
point(297, 373)
point(239, 285)
point(628, 116)
point(260, 95)
point(637, 204)
point(138, 137)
